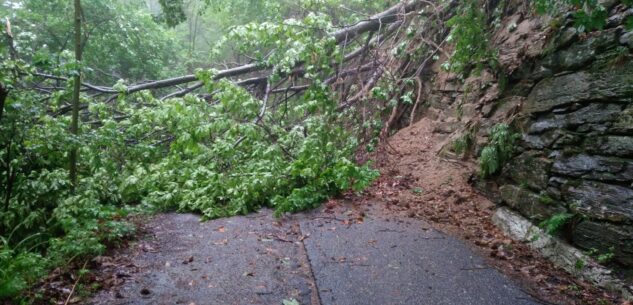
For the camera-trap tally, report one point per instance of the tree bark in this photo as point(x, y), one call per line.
point(3, 96)
point(377, 21)
point(74, 125)
point(4, 90)
point(10, 178)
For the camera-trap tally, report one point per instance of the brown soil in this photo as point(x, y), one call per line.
point(416, 182)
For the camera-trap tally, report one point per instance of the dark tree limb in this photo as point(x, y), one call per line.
point(372, 24)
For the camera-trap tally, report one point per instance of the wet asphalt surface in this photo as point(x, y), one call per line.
point(312, 258)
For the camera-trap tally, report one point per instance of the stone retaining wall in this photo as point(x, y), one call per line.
point(578, 157)
point(570, 96)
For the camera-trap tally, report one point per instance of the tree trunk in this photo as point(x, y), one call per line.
point(3, 96)
point(10, 175)
point(74, 125)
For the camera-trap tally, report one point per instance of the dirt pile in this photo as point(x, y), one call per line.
point(417, 182)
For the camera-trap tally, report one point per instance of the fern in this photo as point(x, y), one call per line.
point(464, 143)
point(498, 151)
point(556, 222)
point(489, 161)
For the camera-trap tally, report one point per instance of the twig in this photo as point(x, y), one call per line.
point(417, 102)
point(72, 291)
point(261, 114)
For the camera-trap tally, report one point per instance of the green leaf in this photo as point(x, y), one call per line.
point(290, 302)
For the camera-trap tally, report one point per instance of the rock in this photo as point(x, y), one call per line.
point(529, 168)
point(566, 37)
point(594, 113)
point(567, 139)
point(601, 201)
point(559, 252)
point(627, 39)
point(557, 182)
point(580, 54)
point(541, 72)
point(529, 204)
point(611, 145)
point(534, 142)
point(437, 101)
point(554, 193)
point(572, 59)
point(432, 114)
point(624, 123)
point(521, 87)
point(576, 115)
point(603, 236)
point(527, 40)
point(594, 129)
point(618, 19)
point(505, 108)
point(607, 4)
point(446, 127)
point(486, 187)
point(594, 167)
point(487, 109)
point(544, 125)
point(468, 111)
point(542, 141)
point(615, 85)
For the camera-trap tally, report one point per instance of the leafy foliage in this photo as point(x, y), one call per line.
point(556, 222)
point(226, 154)
point(469, 33)
point(173, 12)
point(205, 22)
point(498, 151)
point(464, 143)
point(40, 213)
point(602, 257)
point(471, 25)
point(121, 39)
point(589, 15)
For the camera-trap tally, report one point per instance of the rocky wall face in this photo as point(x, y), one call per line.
point(576, 154)
point(570, 95)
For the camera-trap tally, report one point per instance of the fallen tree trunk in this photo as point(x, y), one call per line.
point(374, 23)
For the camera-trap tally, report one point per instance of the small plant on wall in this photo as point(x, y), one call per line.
point(556, 222)
point(498, 151)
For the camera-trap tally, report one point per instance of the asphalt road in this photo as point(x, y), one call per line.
point(312, 258)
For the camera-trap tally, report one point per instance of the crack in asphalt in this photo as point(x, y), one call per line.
point(316, 296)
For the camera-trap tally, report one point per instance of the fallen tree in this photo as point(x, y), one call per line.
point(387, 22)
point(282, 131)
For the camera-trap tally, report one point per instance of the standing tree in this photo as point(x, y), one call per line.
point(74, 125)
